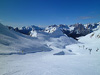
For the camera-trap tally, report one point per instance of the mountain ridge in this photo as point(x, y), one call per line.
point(74, 31)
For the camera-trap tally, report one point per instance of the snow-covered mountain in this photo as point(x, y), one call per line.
point(74, 31)
point(26, 29)
point(52, 28)
point(15, 42)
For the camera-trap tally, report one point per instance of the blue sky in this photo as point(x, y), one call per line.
point(48, 12)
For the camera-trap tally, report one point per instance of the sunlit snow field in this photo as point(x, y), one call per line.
point(48, 55)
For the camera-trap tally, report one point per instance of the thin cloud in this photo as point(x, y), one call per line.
point(88, 17)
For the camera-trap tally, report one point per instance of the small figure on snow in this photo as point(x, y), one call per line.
point(90, 50)
point(79, 46)
point(83, 46)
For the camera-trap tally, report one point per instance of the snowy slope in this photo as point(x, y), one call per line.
point(45, 64)
point(87, 43)
point(11, 41)
point(92, 40)
point(18, 43)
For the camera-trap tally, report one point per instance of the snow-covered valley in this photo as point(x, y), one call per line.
point(48, 54)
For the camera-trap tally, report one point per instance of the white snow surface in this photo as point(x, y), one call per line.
point(56, 54)
point(33, 33)
point(46, 64)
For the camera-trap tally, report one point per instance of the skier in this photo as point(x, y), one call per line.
point(83, 46)
point(79, 46)
point(90, 50)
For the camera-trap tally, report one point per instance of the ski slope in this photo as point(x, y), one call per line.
point(54, 54)
point(43, 63)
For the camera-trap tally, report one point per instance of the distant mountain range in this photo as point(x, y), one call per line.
point(74, 31)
